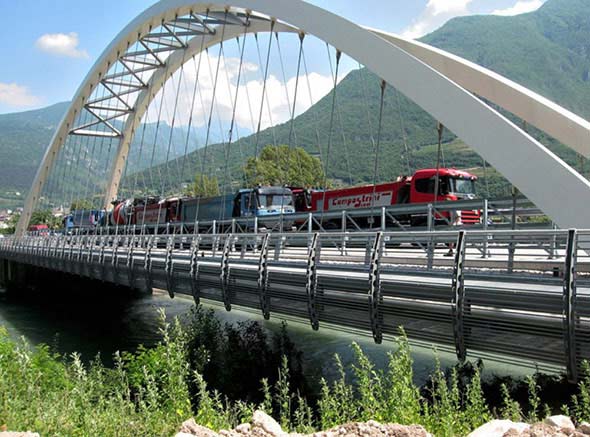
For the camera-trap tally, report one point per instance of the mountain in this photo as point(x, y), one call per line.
point(24, 136)
point(545, 50)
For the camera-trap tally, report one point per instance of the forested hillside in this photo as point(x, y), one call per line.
point(24, 137)
point(546, 50)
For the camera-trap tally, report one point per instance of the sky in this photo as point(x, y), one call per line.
point(50, 45)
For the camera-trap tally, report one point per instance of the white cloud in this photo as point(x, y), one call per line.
point(520, 7)
point(436, 13)
point(16, 95)
point(276, 109)
point(61, 44)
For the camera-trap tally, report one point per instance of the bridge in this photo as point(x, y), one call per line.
point(521, 293)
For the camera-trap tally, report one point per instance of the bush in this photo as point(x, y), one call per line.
point(234, 359)
point(152, 391)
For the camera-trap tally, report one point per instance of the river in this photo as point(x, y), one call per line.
point(104, 326)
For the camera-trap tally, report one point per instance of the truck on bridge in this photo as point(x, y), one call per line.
point(419, 188)
point(265, 203)
point(268, 203)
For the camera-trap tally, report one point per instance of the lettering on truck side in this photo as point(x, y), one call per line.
point(361, 201)
point(151, 215)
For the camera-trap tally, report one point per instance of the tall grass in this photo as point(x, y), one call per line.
point(150, 392)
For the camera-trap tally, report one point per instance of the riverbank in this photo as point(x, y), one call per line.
point(263, 425)
point(213, 373)
point(110, 324)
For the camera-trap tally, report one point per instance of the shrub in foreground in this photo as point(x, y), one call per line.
point(152, 391)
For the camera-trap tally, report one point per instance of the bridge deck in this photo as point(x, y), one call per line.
point(499, 293)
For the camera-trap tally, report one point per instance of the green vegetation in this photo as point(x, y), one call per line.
point(204, 186)
point(24, 136)
point(284, 165)
point(45, 217)
point(11, 225)
point(545, 51)
point(81, 204)
point(217, 374)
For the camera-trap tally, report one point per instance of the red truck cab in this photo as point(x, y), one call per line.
point(41, 229)
point(453, 184)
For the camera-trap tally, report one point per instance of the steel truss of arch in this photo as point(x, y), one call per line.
point(135, 66)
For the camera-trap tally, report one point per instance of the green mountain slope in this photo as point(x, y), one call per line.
point(546, 51)
point(24, 137)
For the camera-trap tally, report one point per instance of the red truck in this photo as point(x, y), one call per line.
point(42, 230)
point(453, 185)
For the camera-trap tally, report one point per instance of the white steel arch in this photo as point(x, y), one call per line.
point(567, 127)
point(543, 177)
point(158, 80)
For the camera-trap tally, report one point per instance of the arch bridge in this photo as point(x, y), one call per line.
point(504, 292)
point(112, 100)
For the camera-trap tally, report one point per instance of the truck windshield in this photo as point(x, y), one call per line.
point(276, 200)
point(462, 186)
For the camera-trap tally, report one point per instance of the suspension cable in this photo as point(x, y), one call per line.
point(174, 112)
point(292, 135)
point(327, 164)
point(197, 67)
point(262, 100)
point(151, 178)
point(311, 101)
point(211, 109)
point(192, 108)
point(409, 159)
point(236, 127)
point(157, 131)
point(212, 169)
point(233, 117)
point(366, 101)
point(339, 115)
point(75, 157)
point(79, 119)
point(141, 145)
point(88, 177)
point(287, 171)
point(440, 129)
point(378, 148)
point(160, 109)
point(82, 144)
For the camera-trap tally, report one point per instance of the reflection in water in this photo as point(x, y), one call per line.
point(92, 326)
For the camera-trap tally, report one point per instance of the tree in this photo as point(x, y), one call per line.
point(45, 217)
point(284, 165)
point(12, 222)
point(204, 186)
point(81, 204)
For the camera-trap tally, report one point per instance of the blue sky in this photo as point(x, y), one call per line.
point(50, 45)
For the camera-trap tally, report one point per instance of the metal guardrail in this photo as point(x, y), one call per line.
point(521, 294)
point(497, 214)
